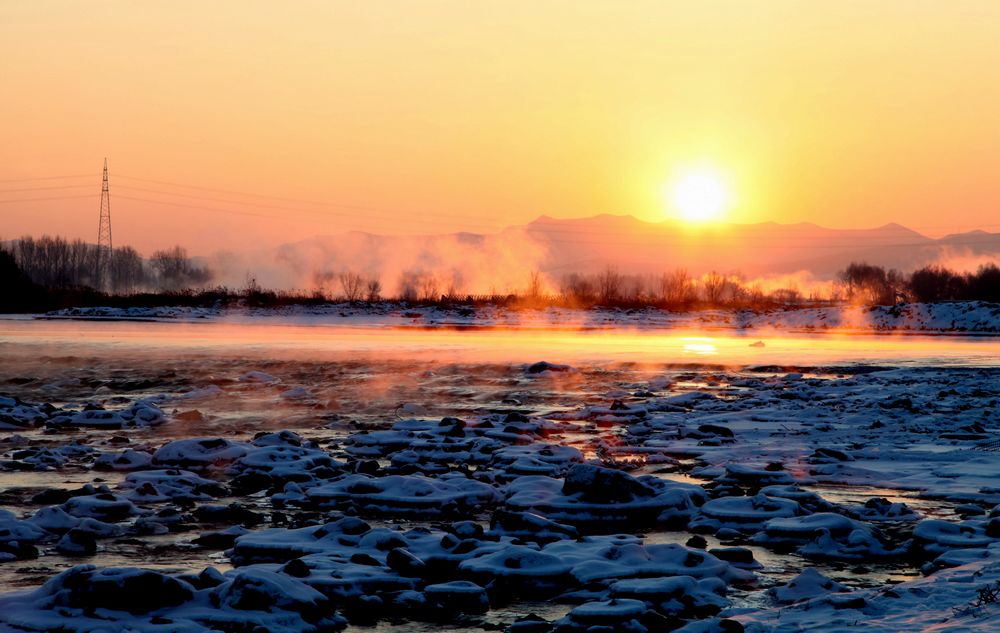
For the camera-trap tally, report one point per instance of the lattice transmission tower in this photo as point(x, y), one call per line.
point(102, 274)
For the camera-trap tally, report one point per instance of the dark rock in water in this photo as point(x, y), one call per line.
point(530, 623)
point(459, 596)
point(259, 590)
point(697, 542)
point(467, 529)
point(530, 526)
point(194, 415)
point(361, 558)
point(730, 626)
point(832, 453)
point(296, 568)
point(543, 366)
point(603, 485)
point(609, 615)
point(120, 589)
point(9, 422)
point(366, 467)
point(18, 549)
point(899, 403)
point(233, 514)
point(220, 539)
point(405, 563)
point(848, 602)
point(738, 555)
point(207, 578)
point(993, 528)
point(970, 510)
point(249, 483)
point(52, 496)
point(715, 429)
point(350, 526)
point(972, 437)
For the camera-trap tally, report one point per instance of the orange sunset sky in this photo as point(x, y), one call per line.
point(413, 117)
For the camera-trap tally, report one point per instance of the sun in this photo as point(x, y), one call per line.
point(698, 195)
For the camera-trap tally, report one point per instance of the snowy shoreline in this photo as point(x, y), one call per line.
point(966, 318)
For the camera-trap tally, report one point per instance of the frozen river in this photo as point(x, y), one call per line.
point(269, 337)
point(706, 411)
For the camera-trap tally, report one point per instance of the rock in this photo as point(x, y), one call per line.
point(735, 555)
point(530, 526)
point(77, 542)
point(137, 591)
point(715, 429)
point(827, 454)
point(234, 514)
point(459, 596)
point(405, 563)
point(296, 568)
point(809, 584)
point(698, 542)
point(543, 366)
point(530, 623)
point(603, 485)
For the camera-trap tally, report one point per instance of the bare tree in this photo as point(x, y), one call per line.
point(352, 285)
point(609, 285)
point(714, 286)
point(578, 288)
point(534, 290)
point(428, 287)
point(787, 296)
point(870, 284)
point(373, 290)
point(675, 287)
point(175, 271)
point(456, 283)
point(127, 272)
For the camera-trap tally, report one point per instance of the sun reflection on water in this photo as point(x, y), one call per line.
point(699, 346)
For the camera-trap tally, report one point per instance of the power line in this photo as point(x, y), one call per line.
point(283, 199)
point(44, 199)
point(43, 188)
point(47, 178)
point(786, 232)
point(666, 241)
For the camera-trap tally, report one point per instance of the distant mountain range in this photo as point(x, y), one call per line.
point(555, 247)
point(755, 249)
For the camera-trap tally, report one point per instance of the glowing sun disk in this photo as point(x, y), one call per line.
point(699, 196)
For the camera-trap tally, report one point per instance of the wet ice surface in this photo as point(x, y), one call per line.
point(834, 476)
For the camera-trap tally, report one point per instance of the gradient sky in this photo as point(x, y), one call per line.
point(434, 116)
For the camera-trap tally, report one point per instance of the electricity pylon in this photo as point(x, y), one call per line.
point(102, 273)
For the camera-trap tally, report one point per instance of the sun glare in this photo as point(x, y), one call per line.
point(699, 195)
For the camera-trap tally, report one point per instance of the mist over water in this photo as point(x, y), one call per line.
point(289, 340)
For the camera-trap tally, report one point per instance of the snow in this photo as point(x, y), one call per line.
point(809, 584)
point(575, 485)
point(972, 316)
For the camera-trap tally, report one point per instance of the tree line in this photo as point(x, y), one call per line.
point(62, 270)
point(55, 262)
point(874, 285)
